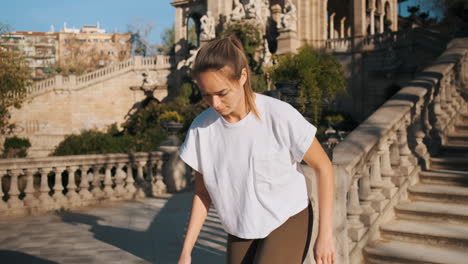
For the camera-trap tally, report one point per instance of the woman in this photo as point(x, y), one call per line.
point(246, 151)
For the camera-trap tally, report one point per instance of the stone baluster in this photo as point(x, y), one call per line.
point(405, 154)
point(29, 199)
point(72, 195)
point(386, 169)
point(3, 205)
point(377, 184)
point(143, 187)
point(130, 182)
point(418, 133)
point(119, 180)
point(367, 197)
point(448, 95)
point(159, 187)
point(355, 227)
point(438, 113)
point(96, 191)
point(84, 193)
point(443, 101)
point(14, 202)
point(108, 191)
point(46, 201)
point(58, 196)
point(394, 150)
point(372, 21)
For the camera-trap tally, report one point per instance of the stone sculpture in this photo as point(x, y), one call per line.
point(208, 27)
point(238, 13)
point(288, 20)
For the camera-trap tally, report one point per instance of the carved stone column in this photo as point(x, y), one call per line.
point(387, 172)
point(58, 196)
point(14, 202)
point(372, 21)
point(85, 194)
point(72, 195)
point(108, 191)
point(46, 201)
point(3, 205)
point(119, 180)
point(29, 199)
point(367, 197)
point(331, 24)
point(376, 182)
point(159, 188)
point(342, 28)
point(96, 191)
point(130, 182)
point(355, 227)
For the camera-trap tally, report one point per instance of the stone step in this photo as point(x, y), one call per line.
point(433, 211)
point(438, 193)
point(453, 150)
point(461, 127)
point(430, 233)
point(397, 252)
point(444, 177)
point(449, 163)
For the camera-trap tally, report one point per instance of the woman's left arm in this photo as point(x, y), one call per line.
point(315, 157)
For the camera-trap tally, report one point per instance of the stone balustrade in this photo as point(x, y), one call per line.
point(73, 82)
point(339, 45)
point(377, 161)
point(35, 185)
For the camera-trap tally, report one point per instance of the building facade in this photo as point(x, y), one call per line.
point(75, 50)
point(39, 49)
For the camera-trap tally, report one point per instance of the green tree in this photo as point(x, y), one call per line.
point(319, 75)
point(15, 76)
point(251, 38)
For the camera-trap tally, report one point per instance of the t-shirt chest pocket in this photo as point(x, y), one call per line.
point(272, 169)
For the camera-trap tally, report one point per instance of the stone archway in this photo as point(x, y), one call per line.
point(388, 21)
point(338, 19)
point(193, 29)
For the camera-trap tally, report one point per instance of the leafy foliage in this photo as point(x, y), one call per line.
point(251, 38)
point(15, 147)
point(320, 76)
point(15, 76)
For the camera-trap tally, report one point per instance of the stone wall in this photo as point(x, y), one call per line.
point(83, 102)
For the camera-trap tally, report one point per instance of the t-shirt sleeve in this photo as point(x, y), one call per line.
point(301, 133)
point(189, 150)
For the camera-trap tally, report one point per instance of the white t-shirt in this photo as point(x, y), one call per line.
point(251, 168)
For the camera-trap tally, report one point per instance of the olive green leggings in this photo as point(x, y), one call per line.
point(288, 243)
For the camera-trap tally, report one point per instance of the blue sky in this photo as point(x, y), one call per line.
point(38, 15)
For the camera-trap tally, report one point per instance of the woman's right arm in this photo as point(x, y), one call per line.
point(200, 206)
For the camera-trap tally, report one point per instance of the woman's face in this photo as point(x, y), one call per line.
point(224, 95)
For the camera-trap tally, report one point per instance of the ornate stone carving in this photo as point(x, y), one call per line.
point(289, 17)
point(208, 27)
point(238, 11)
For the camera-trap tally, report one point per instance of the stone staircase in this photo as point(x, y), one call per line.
point(432, 225)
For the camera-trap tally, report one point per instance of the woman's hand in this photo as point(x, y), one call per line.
point(185, 259)
point(324, 249)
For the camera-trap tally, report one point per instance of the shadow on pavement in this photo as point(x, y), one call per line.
point(161, 242)
point(13, 257)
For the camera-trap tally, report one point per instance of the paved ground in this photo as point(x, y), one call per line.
point(144, 231)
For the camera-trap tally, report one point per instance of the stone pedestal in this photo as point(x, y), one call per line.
point(287, 41)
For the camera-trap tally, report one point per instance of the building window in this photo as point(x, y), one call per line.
point(102, 52)
point(106, 40)
point(95, 40)
point(122, 41)
point(111, 52)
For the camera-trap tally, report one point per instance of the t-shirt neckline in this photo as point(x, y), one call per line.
point(240, 122)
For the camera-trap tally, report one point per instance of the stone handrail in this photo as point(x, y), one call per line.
point(378, 160)
point(72, 82)
point(341, 44)
point(370, 42)
point(35, 185)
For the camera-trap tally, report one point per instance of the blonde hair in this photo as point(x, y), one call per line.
point(226, 52)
